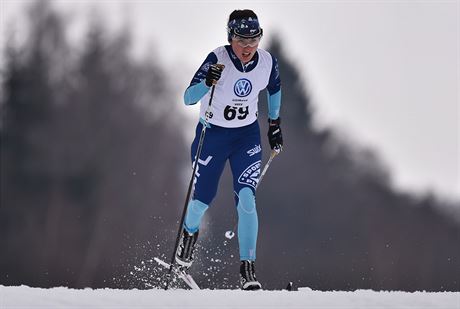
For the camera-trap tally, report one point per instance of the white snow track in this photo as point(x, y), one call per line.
point(62, 298)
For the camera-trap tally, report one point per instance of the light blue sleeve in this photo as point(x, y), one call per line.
point(274, 104)
point(195, 92)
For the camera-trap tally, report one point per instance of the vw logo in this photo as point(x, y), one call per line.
point(242, 87)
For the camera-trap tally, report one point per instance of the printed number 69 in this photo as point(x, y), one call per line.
point(231, 112)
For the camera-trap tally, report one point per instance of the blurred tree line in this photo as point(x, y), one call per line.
point(348, 228)
point(94, 170)
point(91, 155)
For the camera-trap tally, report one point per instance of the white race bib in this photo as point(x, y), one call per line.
point(236, 94)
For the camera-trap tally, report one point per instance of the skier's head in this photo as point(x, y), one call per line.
point(244, 33)
point(243, 23)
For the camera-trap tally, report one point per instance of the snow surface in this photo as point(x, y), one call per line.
point(26, 297)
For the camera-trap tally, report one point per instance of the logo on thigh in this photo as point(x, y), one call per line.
point(254, 150)
point(202, 162)
point(250, 176)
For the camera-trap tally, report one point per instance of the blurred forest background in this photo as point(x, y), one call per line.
point(95, 167)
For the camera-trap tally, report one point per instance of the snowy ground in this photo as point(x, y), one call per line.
point(26, 297)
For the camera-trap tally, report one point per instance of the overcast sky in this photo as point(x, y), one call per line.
point(386, 73)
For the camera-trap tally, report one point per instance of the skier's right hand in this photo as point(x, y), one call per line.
point(214, 73)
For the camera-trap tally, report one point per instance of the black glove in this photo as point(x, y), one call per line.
point(214, 73)
point(275, 138)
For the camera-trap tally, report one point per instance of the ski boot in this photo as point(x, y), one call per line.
point(248, 276)
point(184, 253)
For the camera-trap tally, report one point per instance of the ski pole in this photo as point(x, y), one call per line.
point(273, 154)
point(190, 186)
point(231, 233)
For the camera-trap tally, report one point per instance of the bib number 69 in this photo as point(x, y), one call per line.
point(232, 112)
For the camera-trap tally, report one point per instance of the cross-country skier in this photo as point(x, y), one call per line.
point(233, 133)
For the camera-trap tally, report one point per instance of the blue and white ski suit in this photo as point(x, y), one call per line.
point(233, 134)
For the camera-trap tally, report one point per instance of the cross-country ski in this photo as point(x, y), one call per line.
point(180, 273)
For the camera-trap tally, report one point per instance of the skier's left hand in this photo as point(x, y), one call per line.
point(275, 137)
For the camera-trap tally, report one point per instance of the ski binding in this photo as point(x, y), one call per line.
point(180, 273)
